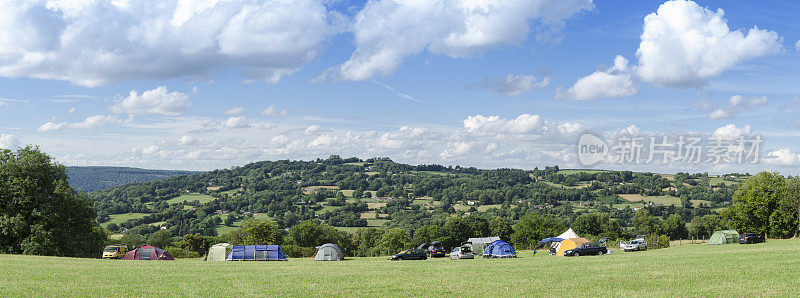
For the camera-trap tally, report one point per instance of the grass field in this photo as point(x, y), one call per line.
point(120, 218)
point(191, 197)
point(770, 269)
point(578, 171)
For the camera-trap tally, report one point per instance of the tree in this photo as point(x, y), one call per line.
point(427, 234)
point(230, 219)
point(160, 238)
point(112, 227)
point(755, 203)
point(532, 228)
point(674, 227)
point(645, 223)
point(597, 224)
point(131, 240)
point(40, 214)
point(365, 241)
point(393, 241)
point(313, 234)
point(500, 227)
point(478, 226)
point(196, 243)
point(257, 231)
point(456, 231)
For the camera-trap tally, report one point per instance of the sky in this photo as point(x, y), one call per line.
point(201, 85)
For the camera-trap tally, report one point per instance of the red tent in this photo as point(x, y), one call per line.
point(148, 252)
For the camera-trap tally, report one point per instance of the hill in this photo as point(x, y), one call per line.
point(692, 270)
point(90, 179)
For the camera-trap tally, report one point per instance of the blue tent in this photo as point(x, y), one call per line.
point(256, 253)
point(499, 249)
point(546, 241)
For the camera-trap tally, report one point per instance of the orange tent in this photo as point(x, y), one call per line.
point(570, 243)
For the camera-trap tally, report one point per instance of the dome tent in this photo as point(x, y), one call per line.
point(256, 253)
point(329, 252)
point(219, 251)
point(723, 237)
point(148, 252)
point(499, 249)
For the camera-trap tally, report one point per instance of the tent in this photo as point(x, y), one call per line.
point(568, 234)
point(568, 244)
point(218, 252)
point(329, 252)
point(479, 244)
point(256, 253)
point(723, 237)
point(499, 249)
point(148, 252)
point(551, 243)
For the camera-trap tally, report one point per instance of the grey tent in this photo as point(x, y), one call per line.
point(219, 252)
point(479, 244)
point(329, 252)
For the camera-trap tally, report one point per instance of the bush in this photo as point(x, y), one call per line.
point(181, 253)
point(294, 251)
point(657, 241)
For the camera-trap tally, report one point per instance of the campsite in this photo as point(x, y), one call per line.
point(696, 270)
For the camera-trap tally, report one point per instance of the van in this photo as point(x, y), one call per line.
point(115, 251)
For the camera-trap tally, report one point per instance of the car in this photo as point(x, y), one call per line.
point(410, 254)
point(633, 245)
point(750, 238)
point(462, 252)
point(115, 251)
point(435, 250)
point(592, 248)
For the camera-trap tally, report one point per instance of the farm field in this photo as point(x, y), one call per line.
point(120, 218)
point(695, 270)
point(191, 197)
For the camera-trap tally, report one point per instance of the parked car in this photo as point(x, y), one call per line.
point(750, 238)
point(435, 250)
point(633, 245)
point(462, 252)
point(593, 248)
point(116, 251)
point(410, 254)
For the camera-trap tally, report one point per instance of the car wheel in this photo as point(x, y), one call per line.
point(600, 253)
point(576, 254)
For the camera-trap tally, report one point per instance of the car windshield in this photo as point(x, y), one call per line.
point(466, 249)
point(111, 249)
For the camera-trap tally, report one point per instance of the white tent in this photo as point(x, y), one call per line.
point(478, 244)
point(569, 234)
point(218, 252)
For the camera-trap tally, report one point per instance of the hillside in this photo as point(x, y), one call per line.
point(352, 193)
point(693, 270)
point(90, 179)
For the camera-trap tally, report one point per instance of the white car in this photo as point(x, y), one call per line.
point(633, 245)
point(462, 252)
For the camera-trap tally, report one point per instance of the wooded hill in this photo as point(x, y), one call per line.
point(94, 178)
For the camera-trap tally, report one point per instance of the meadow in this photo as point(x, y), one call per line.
point(770, 269)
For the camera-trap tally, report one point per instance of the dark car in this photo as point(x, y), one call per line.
point(593, 248)
point(435, 250)
point(750, 238)
point(410, 254)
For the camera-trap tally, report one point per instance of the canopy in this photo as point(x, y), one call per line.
point(479, 244)
point(256, 253)
point(568, 244)
point(329, 252)
point(723, 237)
point(148, 252)
point(499, 249)
point(219, 251)
point(568, 234)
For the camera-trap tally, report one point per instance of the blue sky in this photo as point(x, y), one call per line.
point(212, 84)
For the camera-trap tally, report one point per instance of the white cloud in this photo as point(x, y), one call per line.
point(782, 156)
point(188, 140)
point(51, 126)
point(616, 82)
point(731, 131)
point(93, 43)
point(312, 129)
point(8, 141)
point(797, 45)
point(155, 101)
point(683, 45)
point(236, 122)
point(71, 110)
point(512, 85)
point(525, 123)
point(736, 105)
point(95, 121)
point(388, 31)
point(272, 111)
point(234, 111)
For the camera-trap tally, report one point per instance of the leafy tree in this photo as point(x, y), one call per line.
point(427, 234)
point(256, 232)
point(196, 243)
point(756, 204)
point(478, 225)
point(131, 240)
point(597, 224)
point(456, 231)
point(645, 223)
point(112, 227)
point(365, 241)
point(532, 228)
point(313, 234)
point(393, 241)
point(40, 214)
point(161, 239)
point(674, 227)
point(500, 227)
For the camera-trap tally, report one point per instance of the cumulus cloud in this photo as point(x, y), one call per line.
point(388, 31)
point(616, 81)
point(188, 140)
point(51, 126)
point(155, 101)
point(736, 105)
point(236, 122)
point(512, 85)
point(783, 156)
point(731, 131)
point(234, 111)
point(272, 111)
point(93, 43)
point(93, 122)
point(9, 141)
point(797, 45)
point(312, 129)
point(684, 44)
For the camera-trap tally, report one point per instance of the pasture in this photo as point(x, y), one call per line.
point(769, 269)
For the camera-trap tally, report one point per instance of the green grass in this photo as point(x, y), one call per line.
point(223, 229)
point(120, 218)
point(578, 171)
point(191, 197)
point(770, 269)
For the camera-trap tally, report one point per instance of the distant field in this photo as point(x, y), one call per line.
point(718, 180)
point(665, 200)
point(120, 218)
point(223, 229)
point(691, 270)
point(191, 197)
point(481, 208)
point(577, 171)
